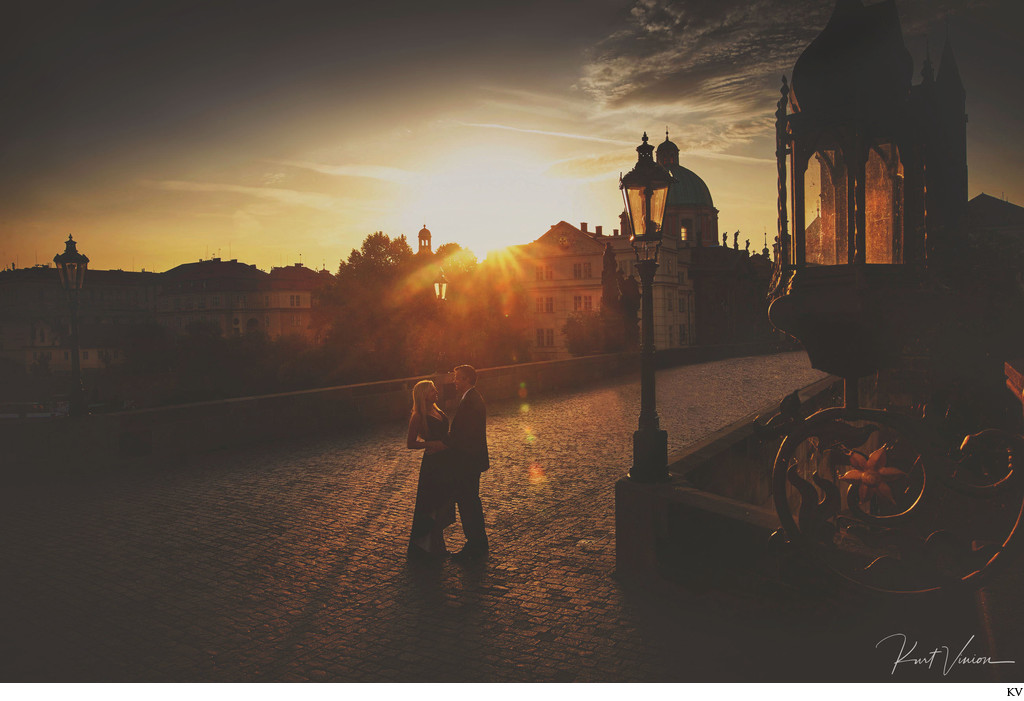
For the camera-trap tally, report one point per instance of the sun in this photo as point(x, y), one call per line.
point(486, 203)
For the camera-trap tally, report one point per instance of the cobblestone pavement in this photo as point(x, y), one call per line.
point(286, 563)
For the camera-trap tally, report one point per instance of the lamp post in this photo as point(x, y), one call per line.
point(645, 190)
point(441, 293)
point(72, 265)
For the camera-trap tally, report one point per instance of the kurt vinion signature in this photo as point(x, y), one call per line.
point(942, 652)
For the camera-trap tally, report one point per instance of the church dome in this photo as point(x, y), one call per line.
point(688, 190)
point(424, 232)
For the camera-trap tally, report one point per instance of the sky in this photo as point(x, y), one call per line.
point(161, 133)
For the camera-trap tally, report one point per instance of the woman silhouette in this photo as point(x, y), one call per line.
point(435, 503)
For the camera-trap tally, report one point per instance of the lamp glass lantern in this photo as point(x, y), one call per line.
point(71, 265)
point(441, 287)
point(645, 193)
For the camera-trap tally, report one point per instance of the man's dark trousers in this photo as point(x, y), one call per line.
point(471, 511)
point(467, 439)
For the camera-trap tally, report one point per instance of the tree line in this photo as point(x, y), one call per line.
point(377, 318)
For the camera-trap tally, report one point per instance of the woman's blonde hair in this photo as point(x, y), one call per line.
point(420, 405)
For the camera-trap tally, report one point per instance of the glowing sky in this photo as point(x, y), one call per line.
point(161, 133)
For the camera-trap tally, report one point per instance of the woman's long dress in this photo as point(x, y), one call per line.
point(435, 502)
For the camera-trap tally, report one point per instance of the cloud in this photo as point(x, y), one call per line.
point(590, 167)
point(717, 64)
point(542, 132)
point(701, 50)
point(357, 171)
point(310, 200)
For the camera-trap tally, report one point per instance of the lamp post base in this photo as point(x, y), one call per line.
point(650, 456)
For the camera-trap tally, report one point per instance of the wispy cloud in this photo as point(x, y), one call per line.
point(701, 153)
point(384, 173)
point(590, 167)
point(543, 132)
point(311, 200)
point(717, 64)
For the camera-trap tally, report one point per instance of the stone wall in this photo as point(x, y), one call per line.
point(205, 426)
point(224, 424)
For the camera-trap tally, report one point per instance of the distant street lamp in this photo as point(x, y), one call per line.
point(645, 191)
point(441, 286)
point(72, 265)
point(441, 293)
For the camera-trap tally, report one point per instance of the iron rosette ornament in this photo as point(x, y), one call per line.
point(875, 498)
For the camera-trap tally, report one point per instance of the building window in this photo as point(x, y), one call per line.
point(549, 273)
point(540, 305)
point(545, 338)
point(549, 305)
point(540, 274)
point(587, 271)
point(577, 303)
point(577, 271)
point(668, 301)
point(85, 355)
point(682, 277)
point(588, 303)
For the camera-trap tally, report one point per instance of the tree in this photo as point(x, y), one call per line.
point(583, 332)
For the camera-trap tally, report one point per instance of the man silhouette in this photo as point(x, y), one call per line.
point(467, 439)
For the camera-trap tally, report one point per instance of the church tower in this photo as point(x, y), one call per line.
point(424, 241)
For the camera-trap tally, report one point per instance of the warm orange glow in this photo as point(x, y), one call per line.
point(486, 201)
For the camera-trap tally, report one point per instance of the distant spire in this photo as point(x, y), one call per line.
point(948, 77)
point(927, 72)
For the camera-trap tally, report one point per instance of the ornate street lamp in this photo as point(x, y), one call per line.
point(645, 191)
point(72, 265)
point(441, 286)
point(441, 293)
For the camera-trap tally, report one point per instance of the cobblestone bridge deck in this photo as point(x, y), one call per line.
point(287, 563)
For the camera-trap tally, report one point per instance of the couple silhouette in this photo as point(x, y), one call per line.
point(454, 457)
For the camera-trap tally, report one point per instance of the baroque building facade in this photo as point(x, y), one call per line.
point(705, 293)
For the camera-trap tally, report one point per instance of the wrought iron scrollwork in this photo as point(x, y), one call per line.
point(876, 498)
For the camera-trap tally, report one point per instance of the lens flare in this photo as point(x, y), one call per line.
point(536, 474)
point(524, 408)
